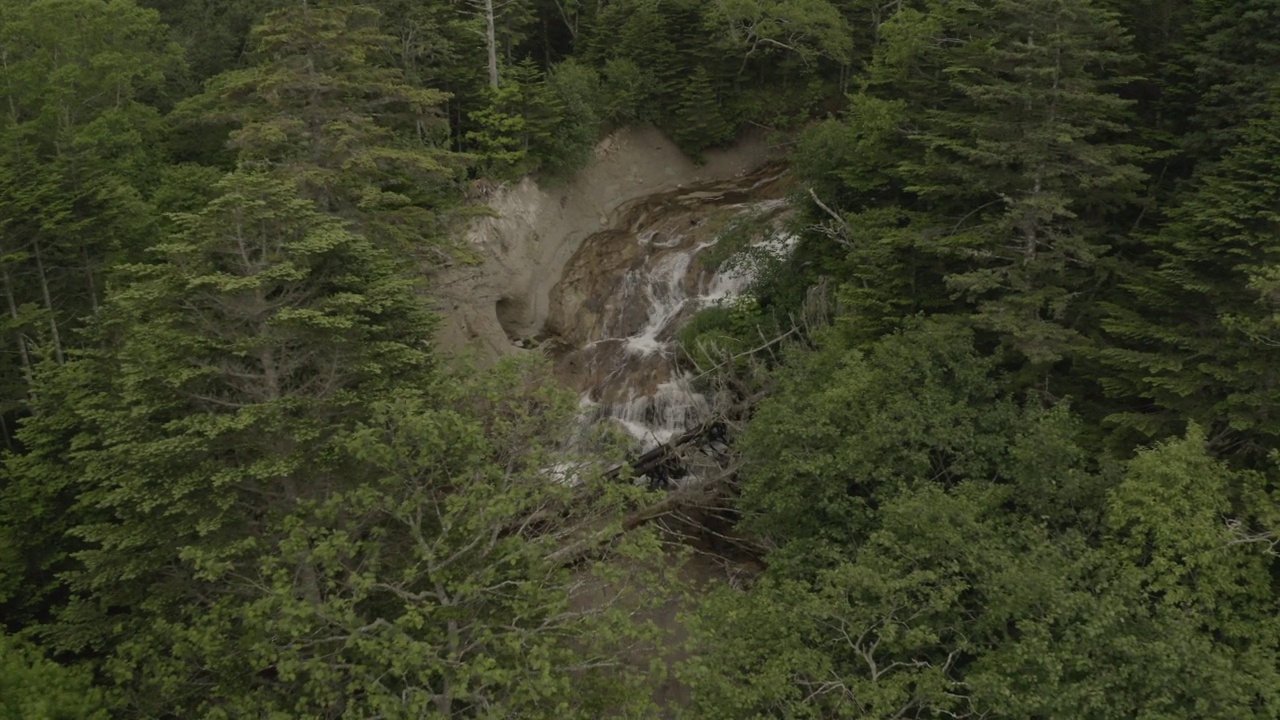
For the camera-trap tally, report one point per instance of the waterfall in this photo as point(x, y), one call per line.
point(629, 290)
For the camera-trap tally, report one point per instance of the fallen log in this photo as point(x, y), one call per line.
point(598, 541)
point(652, 459)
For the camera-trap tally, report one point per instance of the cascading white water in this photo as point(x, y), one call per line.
point(656, 417)
point(662, 289)
point(635, 289)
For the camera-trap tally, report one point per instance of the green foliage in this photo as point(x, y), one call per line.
point(34, 688)
point(1173, 623)
point(699, 119)
point(626, 91)
point(850, 161)
point(721, 331)
point(647, 35)
point(578, 93)
point(938, 550)
point(213, 33)
point(809, 29)
point(241, 484)
point(78, 148)
point(894, 627)
point(284, 507)
point(514, 133)
point(1234, 55)
point(262, 321)
point(539, 122)
point(317, 108)
point(991, 164)
point(848, 429)
point(424, 606)
point(1190, 332)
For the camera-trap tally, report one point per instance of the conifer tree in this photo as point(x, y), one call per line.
point(1006, 156)
point(1192, 334)
point(240, 356)
point(515, 132)
point(1233, 56)
point(321, 107)
point(285, 509)
point(78, 148)
point(1026, 157)
point(663, 42)
point(699, 119)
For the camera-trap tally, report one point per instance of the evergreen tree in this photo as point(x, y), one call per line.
point(1026, 160)
point(578, 91)
point(1009, 153)
point(78, 148)
point(238, 358)
point(1234, 56)
point(284, 508)
point(213, 33)
point(515, 132)
point(664, 42)
point(699, 119)
point(1191, 334)
point(319, 108)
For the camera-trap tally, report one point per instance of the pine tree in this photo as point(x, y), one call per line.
point(1233, 53)
point(79, 150)
point(319, 108)
point(1192, 334)
point(699, 118)
point(283, 507)
point(650, 35)
point(516, 131)
point(1000, 157)
point(1024, 161)
point(238, 356)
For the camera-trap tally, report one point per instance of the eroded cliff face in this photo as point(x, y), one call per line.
point(500, 304)
point(601, 273)
point(625, 295)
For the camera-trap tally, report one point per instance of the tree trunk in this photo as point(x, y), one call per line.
point(491, 37)
point(55, 336)
point(23, 355)
point(89, 273)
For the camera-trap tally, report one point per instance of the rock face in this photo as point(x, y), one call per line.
point(602, 273)
point(504, 302)
point(627, 292)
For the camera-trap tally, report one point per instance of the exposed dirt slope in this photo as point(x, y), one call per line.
point(493, 306)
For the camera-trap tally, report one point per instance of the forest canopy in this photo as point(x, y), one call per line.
point(1026, 466)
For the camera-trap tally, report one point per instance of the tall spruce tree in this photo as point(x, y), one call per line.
point(1192, 335)
point(79, 153)
point(321, 106)
point(1025, 160)
point(78, 148)
point(285, 509)
point(1006, 155)
point(239, 358)
point(1233, 55)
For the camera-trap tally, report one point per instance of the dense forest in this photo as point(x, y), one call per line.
point(1026, 467)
